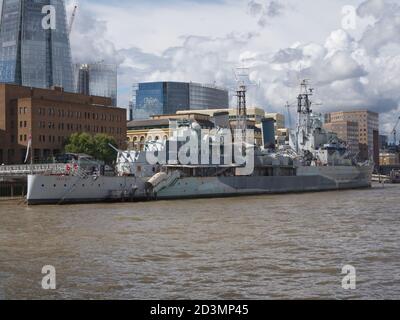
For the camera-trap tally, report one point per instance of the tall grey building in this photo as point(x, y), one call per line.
point(157, 98)
point(97, 79)
point(31, 55)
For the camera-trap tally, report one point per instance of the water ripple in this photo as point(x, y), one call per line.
point(262, 247)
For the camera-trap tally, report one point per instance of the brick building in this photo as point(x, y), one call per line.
point(51, 116)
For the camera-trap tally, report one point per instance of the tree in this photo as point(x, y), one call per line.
point(80, 143)
point(102, 149)
point(96, 146)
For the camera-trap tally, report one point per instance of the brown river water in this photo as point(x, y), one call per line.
point(263, 247)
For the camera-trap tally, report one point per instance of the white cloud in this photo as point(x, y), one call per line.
point(265, 11)
point(386, 29)
point(350, 69)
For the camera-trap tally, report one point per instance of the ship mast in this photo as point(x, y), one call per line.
point(242, 110)
point(241, 91)
point(304, 105)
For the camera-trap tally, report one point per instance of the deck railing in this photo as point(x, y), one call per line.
point(20, 170)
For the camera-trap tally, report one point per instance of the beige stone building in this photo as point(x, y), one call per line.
point(253, 113)
point(158, 127)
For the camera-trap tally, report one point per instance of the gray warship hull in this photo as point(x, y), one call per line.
point(44, 189)
point(51, 189)
point(308, 179)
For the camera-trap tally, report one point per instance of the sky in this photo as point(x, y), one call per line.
point(349, 49)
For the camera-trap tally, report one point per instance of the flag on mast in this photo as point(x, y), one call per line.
point(28, 148)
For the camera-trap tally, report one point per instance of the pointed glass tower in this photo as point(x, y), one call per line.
point(30, 55)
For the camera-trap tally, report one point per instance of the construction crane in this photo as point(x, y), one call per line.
point(394, 132)
point(71, 21)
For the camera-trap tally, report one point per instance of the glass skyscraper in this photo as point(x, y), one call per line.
point(29, 54)
point(97, 79)
point(158, 98)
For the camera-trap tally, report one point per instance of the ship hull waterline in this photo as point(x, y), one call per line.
point(54, 190)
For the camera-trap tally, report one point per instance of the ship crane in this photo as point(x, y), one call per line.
point(394, 131)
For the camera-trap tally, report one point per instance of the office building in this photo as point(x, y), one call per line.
point(281, 132)
point(278, 118)
point(97, 79)
point(29, 54)
point(368, 130)
point(161, 98)
point(383, 142)
point(348, 132)
point(50, 117)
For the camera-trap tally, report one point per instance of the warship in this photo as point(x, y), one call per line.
point(315, 160)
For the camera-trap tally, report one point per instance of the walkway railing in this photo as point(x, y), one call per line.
point(20, 170)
